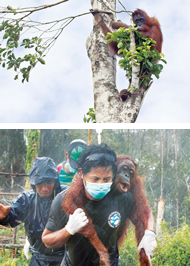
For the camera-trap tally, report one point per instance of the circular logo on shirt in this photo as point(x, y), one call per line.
point(114, 219)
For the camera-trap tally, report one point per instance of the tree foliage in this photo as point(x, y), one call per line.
point(173, 248)
point(23, 65)
point(144, 56)
point(90, 116)
point(13, 31)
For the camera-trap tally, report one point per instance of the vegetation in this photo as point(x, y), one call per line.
point(11, 34)
point(173, 248)
point(7, 257)
point(90, 116)
point(14, 43)
point(33, 136)
point(144, 56)
point(128, 252)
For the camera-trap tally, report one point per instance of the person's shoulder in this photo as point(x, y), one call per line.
point(25, 195)
point(60, 196)
point(56, 206)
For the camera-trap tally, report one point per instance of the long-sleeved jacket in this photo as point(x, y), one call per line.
point(32, 210)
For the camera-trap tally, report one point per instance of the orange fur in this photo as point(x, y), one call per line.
point(141, 211)
point(151, 28)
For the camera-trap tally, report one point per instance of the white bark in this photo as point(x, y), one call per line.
point(160, 215)
point(108, 107)
point(135, 68)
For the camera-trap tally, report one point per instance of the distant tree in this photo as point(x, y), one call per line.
point(33, 136)
point(53, 143)
point(12, 158)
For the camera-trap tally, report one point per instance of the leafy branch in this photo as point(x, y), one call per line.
point(7, 56)
point(144, 56)
point(14, 28)
point(91, 116)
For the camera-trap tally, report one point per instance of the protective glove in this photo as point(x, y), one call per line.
point(148, 242)
point(76, 222)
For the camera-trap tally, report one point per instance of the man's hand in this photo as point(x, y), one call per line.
point(148, 242)
point(76, 222)
point(4, 211)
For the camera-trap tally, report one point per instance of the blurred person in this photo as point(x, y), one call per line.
point(68, 168)
point(32, 208)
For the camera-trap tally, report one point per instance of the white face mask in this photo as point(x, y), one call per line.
point(98, 190)
point(71, 170)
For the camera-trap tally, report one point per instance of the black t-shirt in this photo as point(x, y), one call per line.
point(108, 216)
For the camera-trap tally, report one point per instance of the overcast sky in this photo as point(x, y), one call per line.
point(61, 91)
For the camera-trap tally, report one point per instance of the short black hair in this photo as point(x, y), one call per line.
point(97, 156)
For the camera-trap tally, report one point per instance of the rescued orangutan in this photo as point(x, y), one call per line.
point(147, 26)
point(126, 180)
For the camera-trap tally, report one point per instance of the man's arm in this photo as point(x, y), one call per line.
point(14, 214)
point(55, 239)
point(59, 229)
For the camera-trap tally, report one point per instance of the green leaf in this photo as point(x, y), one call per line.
point(120, 45)
point(156, 75)
point(42, 61)
point(5, 36)
point(108, 41)
point(160, 67)
point(164, 61)
point(149, 63)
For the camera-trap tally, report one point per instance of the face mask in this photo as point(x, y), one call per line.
point(71, 170)
point(98, 190)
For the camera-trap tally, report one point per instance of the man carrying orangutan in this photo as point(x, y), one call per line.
point(107, 209)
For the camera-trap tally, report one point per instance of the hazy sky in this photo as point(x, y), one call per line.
point(61, 91)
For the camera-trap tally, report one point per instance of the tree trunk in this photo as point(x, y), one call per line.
point(161, 201)
point(177, 179)
point(160, 215)
point(107, 105)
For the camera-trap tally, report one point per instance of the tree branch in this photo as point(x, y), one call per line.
point(33, 9)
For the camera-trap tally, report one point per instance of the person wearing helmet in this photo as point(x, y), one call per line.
point(32, 208)
point(68, 168)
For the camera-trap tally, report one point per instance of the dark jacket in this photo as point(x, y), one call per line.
point(32, 210)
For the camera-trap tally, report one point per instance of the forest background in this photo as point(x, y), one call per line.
point(162, 157)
